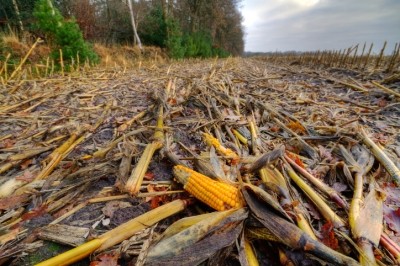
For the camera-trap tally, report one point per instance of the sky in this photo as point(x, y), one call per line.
point(309, 25)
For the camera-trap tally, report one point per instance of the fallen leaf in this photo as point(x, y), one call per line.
point(149, 176)
point(296, 127)
point(106, 260)
point(296, 159)
point(37, 212)
point(112, 206)
point(25, 164)
point(392, 218)
point(339, 187)
point(274, 128)
point(380, 137)
point(328, 236)
point(7, 143)
point(155, 200)
point(382, 102)
point(325, 153)
point(172, 101)
point(12, 201)
point(27, 176)
point(369, 222)
point(392, 194)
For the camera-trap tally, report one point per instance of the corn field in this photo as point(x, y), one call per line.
point(281, 159)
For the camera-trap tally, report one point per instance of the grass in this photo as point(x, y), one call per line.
point(49, 249)
point(117, 57)
point(39, 64)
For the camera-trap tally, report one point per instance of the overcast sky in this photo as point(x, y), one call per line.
point(305, 25)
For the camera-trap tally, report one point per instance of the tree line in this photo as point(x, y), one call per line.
point(185, 28)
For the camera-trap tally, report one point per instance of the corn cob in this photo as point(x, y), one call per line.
point(218, 195)
point(211, 141)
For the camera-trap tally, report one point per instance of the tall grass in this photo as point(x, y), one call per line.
point(29, 61)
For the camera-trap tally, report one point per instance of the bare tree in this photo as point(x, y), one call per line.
point(21, 26)
point(134, 25)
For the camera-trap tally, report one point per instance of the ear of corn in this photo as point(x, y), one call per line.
point(218, 195)
point(211, 141)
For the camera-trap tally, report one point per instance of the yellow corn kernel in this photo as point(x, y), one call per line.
point(211, 141)
point(218, 195)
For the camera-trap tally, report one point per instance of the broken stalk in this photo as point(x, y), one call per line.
point(135, 180)
point(381, 156)
point(117, 234)
point(320, 185)
point(270, 175)
point(325, 210)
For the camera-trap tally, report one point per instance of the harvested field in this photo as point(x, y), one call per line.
point(310, 155)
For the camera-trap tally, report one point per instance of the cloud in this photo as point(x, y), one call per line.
point(305, 25)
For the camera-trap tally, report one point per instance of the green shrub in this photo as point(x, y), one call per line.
point(174, 39)
point(61, 34)
point(199, 44)
point(153, 31)
point(221, 53)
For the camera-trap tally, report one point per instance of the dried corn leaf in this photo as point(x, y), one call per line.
point(292, 236)
point(200, 241)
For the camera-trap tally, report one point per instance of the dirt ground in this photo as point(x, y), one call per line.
point(110, 115)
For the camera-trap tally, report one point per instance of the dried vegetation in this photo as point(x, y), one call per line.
point(304, 152)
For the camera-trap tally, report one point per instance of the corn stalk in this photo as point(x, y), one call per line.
point(136, 178)
point(117, 234)
point(381, 156)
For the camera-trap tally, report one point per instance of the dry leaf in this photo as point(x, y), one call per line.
point(149, 176)
point(392, 218)
point(25, 164)
point(37, 212)
point(296, 159)
point(325, 153)
point(7, 143)
point(12, 201)
point(328, 236)
point(113, 206)
point(26, 177)
point(106, 260)
point(296, 127)
point(370, 221)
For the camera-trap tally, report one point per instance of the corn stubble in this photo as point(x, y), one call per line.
point(255, 189)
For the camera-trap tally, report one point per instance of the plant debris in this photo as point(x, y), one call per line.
point(313, 153)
